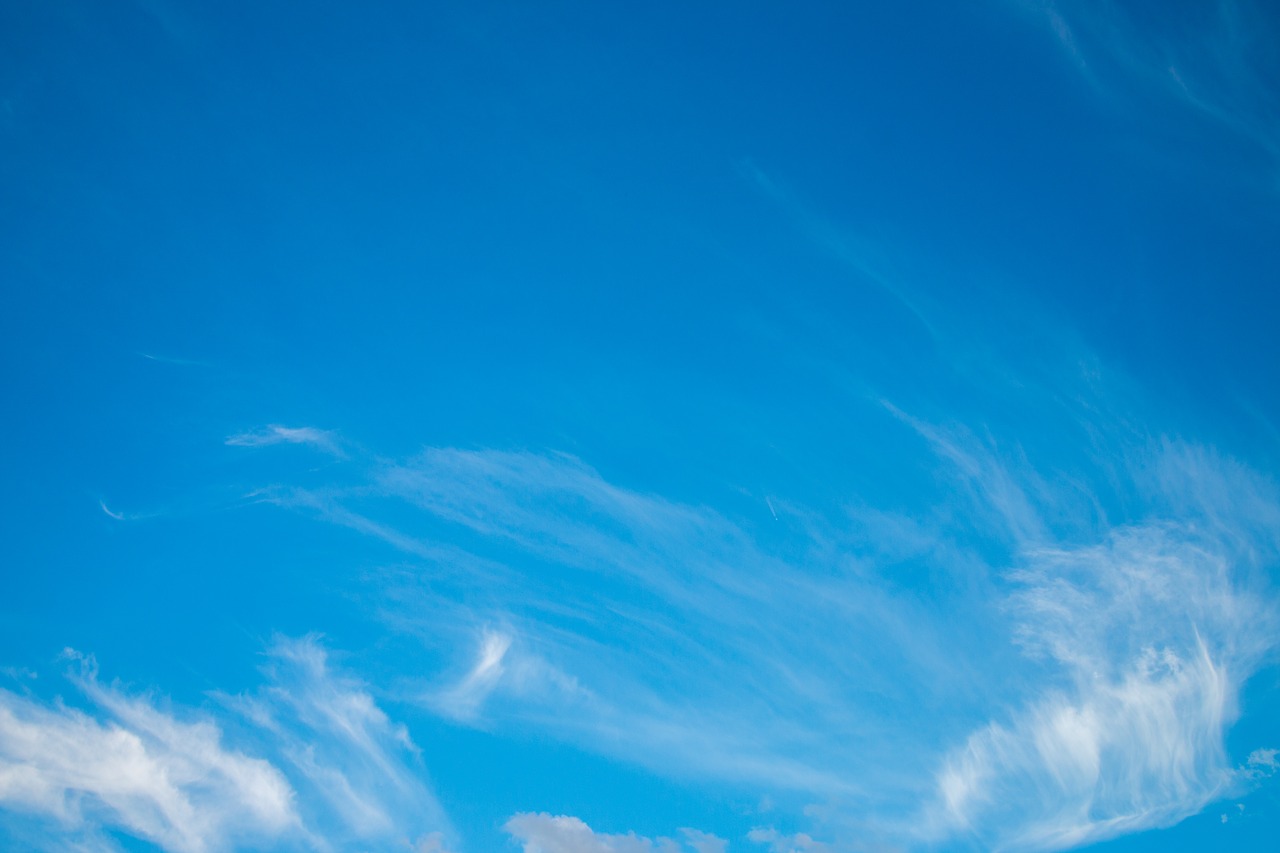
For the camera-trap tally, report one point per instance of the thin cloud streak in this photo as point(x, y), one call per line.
point(1213, 59)
point(273, 434)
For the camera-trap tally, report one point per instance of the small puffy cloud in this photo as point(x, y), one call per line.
point(780, 843)
point(432, 842)
point(1262, 763)
point(544, 833)
point(276, 434)
point(703, 842)
point(137, 767)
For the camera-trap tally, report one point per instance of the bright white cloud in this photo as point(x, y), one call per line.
point(327, 767)
point(544, 833)
point(1146, 640)
point(140, 768)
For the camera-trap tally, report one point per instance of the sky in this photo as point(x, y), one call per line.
point(639, 427)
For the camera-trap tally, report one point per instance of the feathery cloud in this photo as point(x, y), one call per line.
point(1213, 59)
point(272, 434)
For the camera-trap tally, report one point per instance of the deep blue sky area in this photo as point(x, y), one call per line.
point(639, 428)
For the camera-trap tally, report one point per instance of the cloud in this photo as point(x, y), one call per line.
point(272, 434)
point(320, 765)
point(703, 842)
point(462, 700)
point(177, 362)
point(1045, 651)
point(855, 253)
point(432, 842)
point(137, 767)
point(543, 833)
point(668, 622)
point(357, 773)
point(1213, 59)
point(1262, 763)
point(1146, 639)
point(627, 603)
point(780, 843)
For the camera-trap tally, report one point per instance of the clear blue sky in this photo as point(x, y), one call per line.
point(639, 428)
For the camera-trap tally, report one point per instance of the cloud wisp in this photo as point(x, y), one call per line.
point(316, 764)
point(272, 434)
point(1213, 59)
point(358, 774)
point(609, 573)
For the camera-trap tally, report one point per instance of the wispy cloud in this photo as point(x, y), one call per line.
point(462, 700)
point(271, 434)
point(358, 774)
point(1084, 673)
point(543, 833)
point(318, 764)
point(177, 362)
point(637, 600)
point(1149, 641)
point(856, 253)
point(137, 767)
point(1214, 59)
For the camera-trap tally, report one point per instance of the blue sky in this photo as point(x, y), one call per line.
point(639, 428)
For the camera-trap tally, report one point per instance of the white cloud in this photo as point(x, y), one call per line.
point(463, 699)
point(326, 767)
point(135, 766)
point(780, 843)
point(543, 833)
point(1262, 763)
point(1048, 676)
point(432, 842)
point(646, 688)
point(1146, 640)
point(276, 434)
point(703, 842)
point(357, 773)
